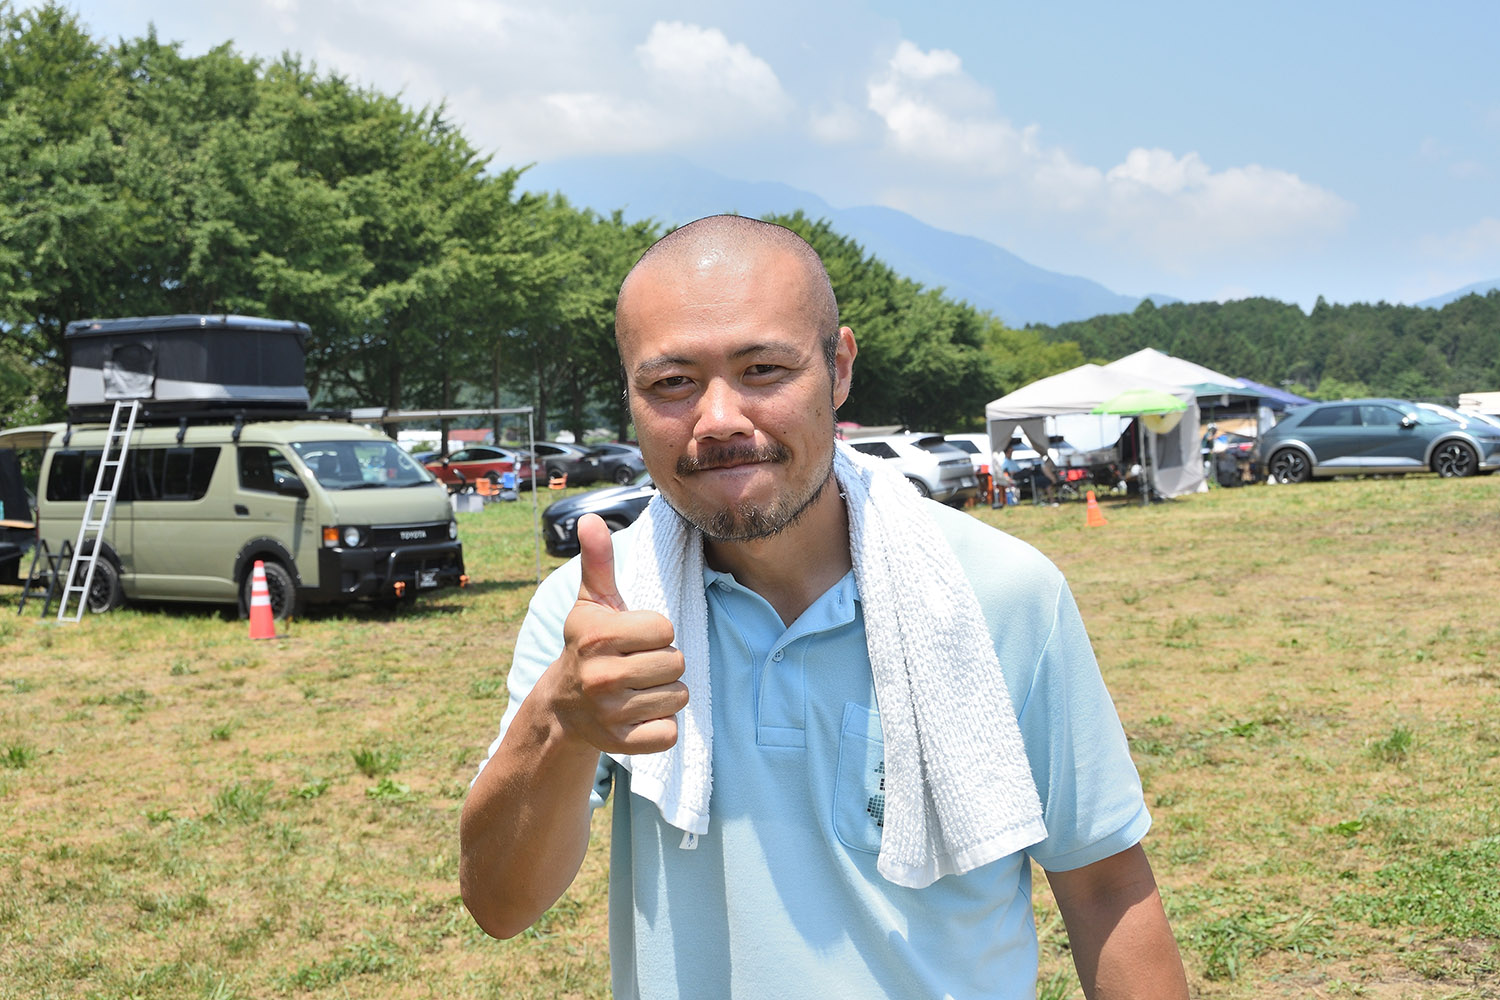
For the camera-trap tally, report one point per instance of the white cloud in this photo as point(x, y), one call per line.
point(700, 66)
point(1159, 170)
point(1175, 208)
point(911, 62)
point(683, 85)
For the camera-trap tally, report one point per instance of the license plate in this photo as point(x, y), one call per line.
point(969, 481)
point(427, 578)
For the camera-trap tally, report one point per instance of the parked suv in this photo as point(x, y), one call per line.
point(936, 468)
point(1368, 436)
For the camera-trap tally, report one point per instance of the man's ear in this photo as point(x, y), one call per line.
point(843, 366)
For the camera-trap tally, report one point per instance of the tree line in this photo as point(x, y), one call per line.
point(1334, 352)
point(137, 180)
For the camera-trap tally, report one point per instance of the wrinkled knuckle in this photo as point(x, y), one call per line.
point(599, 680)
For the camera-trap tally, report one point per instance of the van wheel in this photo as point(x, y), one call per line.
point(280, 585)
point(105, 593)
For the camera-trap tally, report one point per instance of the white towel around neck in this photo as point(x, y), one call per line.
point(959, 792)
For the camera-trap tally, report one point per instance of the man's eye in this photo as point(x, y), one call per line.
point(763, 369)
point(672, 382)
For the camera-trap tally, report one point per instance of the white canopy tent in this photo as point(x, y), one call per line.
point(1153, 364)
point(1215, 389)
point(1172, 457)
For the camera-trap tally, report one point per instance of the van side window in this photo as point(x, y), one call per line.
point(260, 467)
point(72, 475)
point(169, 473)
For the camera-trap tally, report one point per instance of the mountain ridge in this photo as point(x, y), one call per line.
point(1477, 288)
point(672, 191)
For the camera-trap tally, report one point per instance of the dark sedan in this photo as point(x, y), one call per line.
point(557, 458)
point(618, 505)
point(619, 463)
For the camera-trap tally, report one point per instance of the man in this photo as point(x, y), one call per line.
point(758, 849)
point(1006, 470)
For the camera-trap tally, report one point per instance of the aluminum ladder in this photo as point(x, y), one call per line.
point(97, 511)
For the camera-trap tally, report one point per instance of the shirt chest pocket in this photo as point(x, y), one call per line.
point(859, 789)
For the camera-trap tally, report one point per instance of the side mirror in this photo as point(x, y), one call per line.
point(1408, 421)
point(291, 486)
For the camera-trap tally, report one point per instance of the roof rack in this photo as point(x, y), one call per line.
point(237, 416)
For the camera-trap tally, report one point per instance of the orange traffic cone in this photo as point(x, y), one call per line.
point(262, 624)
point(1095, 516)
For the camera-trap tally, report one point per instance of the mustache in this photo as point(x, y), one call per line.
point(724, 457)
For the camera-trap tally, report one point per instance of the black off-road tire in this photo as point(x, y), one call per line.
point(281, 585)
point(105, 593)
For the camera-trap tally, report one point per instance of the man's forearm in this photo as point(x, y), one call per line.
point(525, 825)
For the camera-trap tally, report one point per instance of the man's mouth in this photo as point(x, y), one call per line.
point(729, 458)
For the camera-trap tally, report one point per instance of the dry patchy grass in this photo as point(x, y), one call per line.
point(1307, 675)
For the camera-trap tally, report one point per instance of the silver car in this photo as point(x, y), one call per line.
point(932, 465)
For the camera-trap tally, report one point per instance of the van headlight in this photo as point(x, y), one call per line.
point(452, 530)
point(350, 536)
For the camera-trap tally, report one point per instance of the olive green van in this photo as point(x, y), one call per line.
point(336, 512)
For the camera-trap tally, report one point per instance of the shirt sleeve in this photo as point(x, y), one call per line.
point(538, 644)
point(1092, 802)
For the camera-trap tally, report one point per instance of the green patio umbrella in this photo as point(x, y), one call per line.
point(1143, 403)
point(1138, 402)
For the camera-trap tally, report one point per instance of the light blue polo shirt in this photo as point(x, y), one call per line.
point(781, 898)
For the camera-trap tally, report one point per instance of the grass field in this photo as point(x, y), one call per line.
point(1308, 676)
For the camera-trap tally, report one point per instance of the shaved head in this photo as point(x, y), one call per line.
point(738, 243)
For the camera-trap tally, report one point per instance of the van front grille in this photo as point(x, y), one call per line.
point(393, 536)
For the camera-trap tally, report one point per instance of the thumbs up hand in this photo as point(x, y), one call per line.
point(617, 685)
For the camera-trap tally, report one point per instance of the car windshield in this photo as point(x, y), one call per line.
point(1425, 416)
point(1472, 421)
point(360, 465)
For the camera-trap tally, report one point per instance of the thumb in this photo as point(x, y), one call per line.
point(596, 552)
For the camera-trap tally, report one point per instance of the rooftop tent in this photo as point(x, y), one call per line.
point(189, 362)
point(1175, 468)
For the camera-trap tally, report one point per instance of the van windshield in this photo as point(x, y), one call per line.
point(360, 465)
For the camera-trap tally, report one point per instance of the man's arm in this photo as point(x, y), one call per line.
point(525, 824)
point(615, 688)
point(1122, 945)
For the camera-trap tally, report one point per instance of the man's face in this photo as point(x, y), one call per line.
point(730, 390)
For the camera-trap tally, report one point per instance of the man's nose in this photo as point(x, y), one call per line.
point(721, 412)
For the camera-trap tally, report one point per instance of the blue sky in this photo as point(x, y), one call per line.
point(1206, 151)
